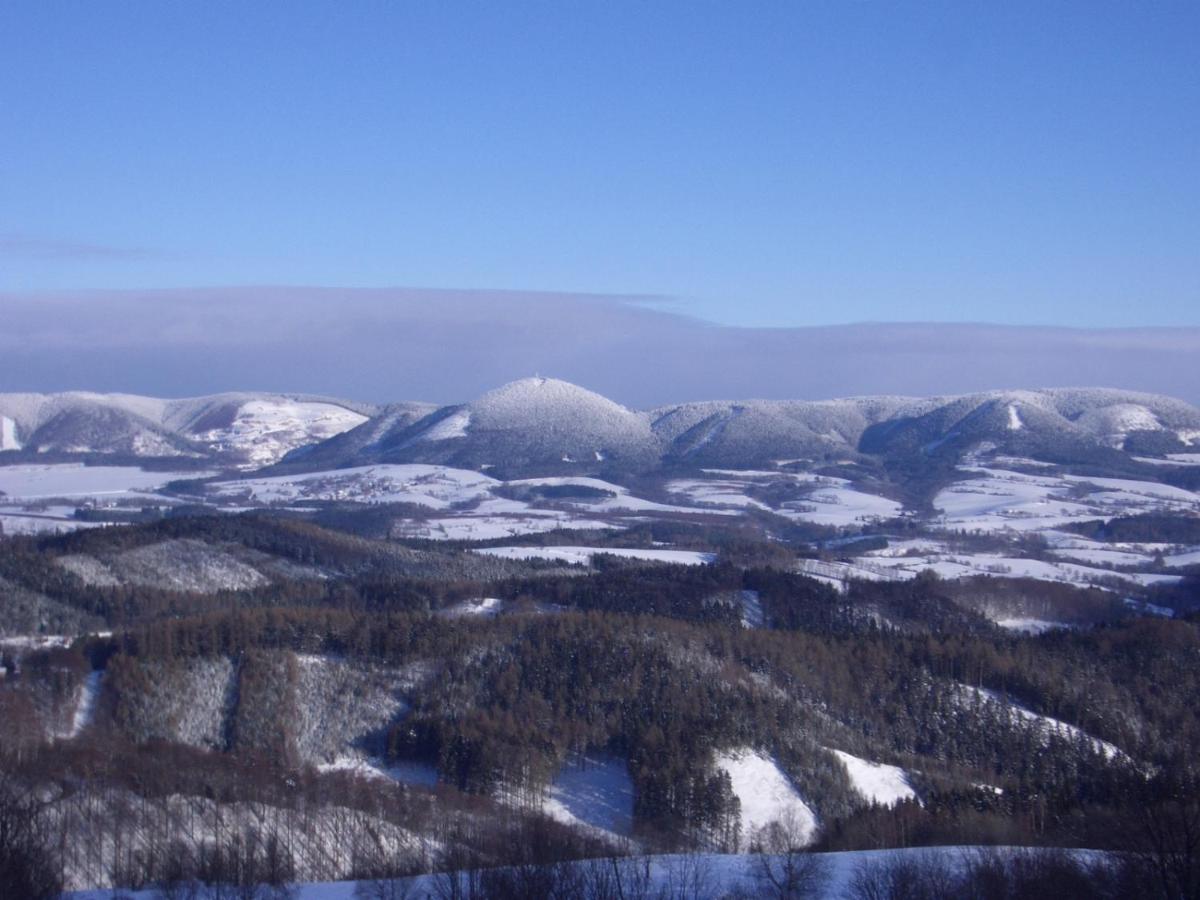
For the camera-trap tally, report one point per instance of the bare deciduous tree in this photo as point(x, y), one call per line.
point(782, 865)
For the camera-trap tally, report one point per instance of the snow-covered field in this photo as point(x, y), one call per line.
point(436, 487)
point(701, 877)
point(583, 555)
point(993, 499)
point(25, 490)
point(491, 527)
point(841, 506)
point(53, 520)
point(965, 565)
point(35, 482)
point(766, 793)
point(826, 501)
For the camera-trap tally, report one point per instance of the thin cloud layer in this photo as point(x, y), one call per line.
point(444, 346)
point(32, 247)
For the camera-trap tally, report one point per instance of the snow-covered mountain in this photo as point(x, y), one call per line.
point(534, 423)
point(244, 429)
point(548, 425)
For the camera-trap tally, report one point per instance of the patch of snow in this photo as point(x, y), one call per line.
point(1150, 609)
point(8, 434)
point(715, 492)
point(876, 782)
point(454, 425)
point(85, 708)
point(1014, 418)
point(421, 774)
point(752, 611)
point(490, 528)
point(484, 607)
point(583, 555)
point(594, 791)
point(1029, 625)
point(766, 794)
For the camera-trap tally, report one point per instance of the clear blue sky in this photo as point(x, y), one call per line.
point(792, 163)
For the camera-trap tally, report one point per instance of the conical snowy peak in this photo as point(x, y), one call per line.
point(533, 422)
point(546, 400)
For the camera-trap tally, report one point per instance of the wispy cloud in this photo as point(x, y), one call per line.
point(451, 345)
point(18, 246)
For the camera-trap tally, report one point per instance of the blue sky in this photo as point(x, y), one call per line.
point(758, 164)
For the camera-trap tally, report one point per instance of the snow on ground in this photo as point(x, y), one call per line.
point(766, 794)
point(965, 565)
point(265, 430)
point(992, 499)
point(1104, 557)
point(595, 791)
point(752, 611)
point(437, 487)
point(1189, 558)
point(714, 492)
point(454, 425)
point(583, 555)
point(19, 522)
point(864, 569)
point(32, 481)
point(484, 607)
point(997, 499)
point(840, 506)
point(831, 501)
point(1127, 492)
point(8, 434)
point(1149, 609)
point(1048, 726)
point(877, 782)
point(620, 501)
point(490, 527)
point(911, 545)
point(1154, 461)
point(85, 708)
point(1014, 419)
point(416, 773)
point(1029, 626)
point(720, 874)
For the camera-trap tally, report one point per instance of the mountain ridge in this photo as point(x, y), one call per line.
point(548, 425)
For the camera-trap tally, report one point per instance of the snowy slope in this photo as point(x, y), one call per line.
point(594, 791)
point(766, 794)
point(528, 423)
point(876, 782)
point(254, 428)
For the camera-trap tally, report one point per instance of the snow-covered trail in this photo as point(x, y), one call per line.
point(85, 709)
